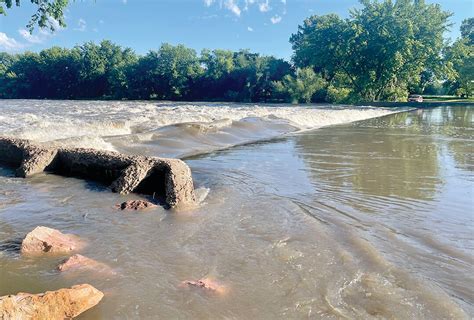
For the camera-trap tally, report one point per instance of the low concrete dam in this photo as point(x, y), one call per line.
point(167, 179)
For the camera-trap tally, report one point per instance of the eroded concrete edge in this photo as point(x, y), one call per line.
point(125, 173)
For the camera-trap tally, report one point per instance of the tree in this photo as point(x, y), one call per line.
point(459, 59)
point(60, 70)
point(103, 69)
point(467, 30)
point(301, 87)
point(166, 74)
point(49, 13)
point(381, 49)
point(7, 78)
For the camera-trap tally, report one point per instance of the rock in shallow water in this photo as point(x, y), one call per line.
point(79, 262)
point(206, 284)
point(135, 205)
point(43, 239)
point(51, 305)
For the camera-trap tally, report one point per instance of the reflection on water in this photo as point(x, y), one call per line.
point(407, 179)
point(366, 158)
point(364, 221)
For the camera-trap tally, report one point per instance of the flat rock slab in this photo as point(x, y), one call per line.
point(79, 262)
point(170, 179)
point(51, 305)
point(44, 239)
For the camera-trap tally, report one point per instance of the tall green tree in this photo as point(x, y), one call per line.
point(381, 49)
point(103, 69)
point(467, 31)
point(60, 70)
point(167, 73)
point(301, 87)
point(459, 59)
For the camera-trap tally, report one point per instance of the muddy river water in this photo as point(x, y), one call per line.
point(305, 212)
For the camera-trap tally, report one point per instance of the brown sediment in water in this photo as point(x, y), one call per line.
point(167, 178)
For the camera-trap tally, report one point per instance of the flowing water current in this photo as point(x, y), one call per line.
point(312, 212)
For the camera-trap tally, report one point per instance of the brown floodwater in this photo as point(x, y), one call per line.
point(366, 220)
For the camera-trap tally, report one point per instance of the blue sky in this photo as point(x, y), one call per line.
point(262, 26)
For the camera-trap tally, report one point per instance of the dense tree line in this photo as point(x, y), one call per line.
point(382, 51)
point(107, 70)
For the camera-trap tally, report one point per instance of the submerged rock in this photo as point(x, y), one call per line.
point(43, 239)
point(135, 205)
point(206, 284)
point(79, 262)
point(51, 305)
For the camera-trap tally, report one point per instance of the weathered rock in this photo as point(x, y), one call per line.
point(135, 205)
point(207, 284)
point(79, 262)
point(35, 161)
point(167, 178)
point(51, 305)
point(43, 239)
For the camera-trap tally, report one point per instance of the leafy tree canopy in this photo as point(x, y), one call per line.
point(381, 49)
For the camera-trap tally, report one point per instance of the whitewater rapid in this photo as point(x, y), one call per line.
point(165, 128)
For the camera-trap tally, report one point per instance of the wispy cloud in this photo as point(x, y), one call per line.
point(207, 17)
point(239, 6)
point(250, 29)
point(124, 1)
point(264, 6)
point(276, 19)
point(54, 23)
point(9, 44)
point(31, 38)
point(81, 25)
point(232, 6)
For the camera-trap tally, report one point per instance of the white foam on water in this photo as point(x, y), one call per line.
point(88, 123)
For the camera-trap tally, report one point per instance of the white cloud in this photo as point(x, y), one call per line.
point(250, 29)
point(237, 6)
point(55, 24)
point(9, 44)
point(275, 19)
point(31, 38)
point(232, 6)
point(81, 25)
point(264, 6)
point(124, 1)
point(101, 21)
